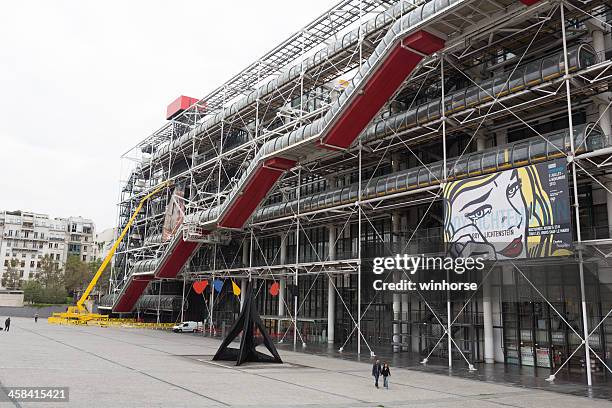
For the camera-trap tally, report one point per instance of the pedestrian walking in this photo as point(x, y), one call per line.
point(376, 368)
point(386, 373)
point(36, 318)
point(7, 323)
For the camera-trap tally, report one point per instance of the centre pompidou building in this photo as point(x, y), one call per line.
point(383, 128)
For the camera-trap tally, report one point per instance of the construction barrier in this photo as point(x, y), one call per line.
point(128, 323)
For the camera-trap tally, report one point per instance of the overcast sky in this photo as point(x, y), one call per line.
point(82, 81)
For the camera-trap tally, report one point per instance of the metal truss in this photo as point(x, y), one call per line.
point(227, 133)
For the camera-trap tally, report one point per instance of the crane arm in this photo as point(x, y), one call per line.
point(113, 249)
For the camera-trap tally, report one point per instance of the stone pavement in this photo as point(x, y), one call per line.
point(111, 367)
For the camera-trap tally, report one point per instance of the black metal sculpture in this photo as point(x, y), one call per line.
point(248, 321)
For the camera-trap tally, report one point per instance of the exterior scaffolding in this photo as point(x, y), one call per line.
point(268, 190)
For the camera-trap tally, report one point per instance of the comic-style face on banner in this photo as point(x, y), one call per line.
point(517, 213)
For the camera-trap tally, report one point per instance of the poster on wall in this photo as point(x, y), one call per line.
point(512, 214)
point(174, 213)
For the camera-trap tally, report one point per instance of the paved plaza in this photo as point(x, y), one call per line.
point(116, 367)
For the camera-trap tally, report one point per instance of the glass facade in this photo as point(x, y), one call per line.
point(535, 305)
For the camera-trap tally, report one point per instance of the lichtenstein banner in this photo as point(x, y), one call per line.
point(512, 214)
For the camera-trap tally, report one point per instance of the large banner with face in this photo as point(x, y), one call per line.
point(516, 213)
point(174, 213)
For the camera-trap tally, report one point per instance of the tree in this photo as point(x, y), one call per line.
point(33, 291)
point(54, 294)
point(50, 274)
point(103, 282)
point(11, 279)
point(77, 274)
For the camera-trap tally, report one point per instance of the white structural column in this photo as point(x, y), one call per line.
point(397, 249)
point(359, 247)
point(505, 277)
point(404, 317)
point(331, 290)
point(404, 299)
point(449, 306)
point(282, 282)
point(243, 289)
point(597, 30)
point(481, 142)
point(585, 328)
point(487, 303)
point(487, 318)
point(397, 312)
point(246, 262)
point(182, 301)
point(297, 259)
point(501, 137)
point(493, 343)
point(211, 299)
point(159, 300)
point(400, 301)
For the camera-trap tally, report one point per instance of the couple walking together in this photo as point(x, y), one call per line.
point(378, 370)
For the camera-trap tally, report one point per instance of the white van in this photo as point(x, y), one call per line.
point(186, 327)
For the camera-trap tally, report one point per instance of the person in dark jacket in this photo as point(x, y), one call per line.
point(376, 368)
point(385, 373)
point(7, 323)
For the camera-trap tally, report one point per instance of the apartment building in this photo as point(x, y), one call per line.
point(28, 237)
point(80, 241)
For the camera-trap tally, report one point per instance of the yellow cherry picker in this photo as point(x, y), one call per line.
point(79, 314)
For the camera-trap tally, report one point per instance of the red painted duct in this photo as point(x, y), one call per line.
point(257, 187)
point(132, 292)
point(380, 87)
point(176, 260)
